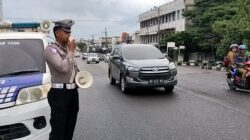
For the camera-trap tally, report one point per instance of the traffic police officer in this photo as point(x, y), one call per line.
point(63, 95)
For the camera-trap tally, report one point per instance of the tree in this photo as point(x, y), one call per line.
point(236, 29)
point(215, 23)
point(82, 46)
point(187, 38)
point(204, 14)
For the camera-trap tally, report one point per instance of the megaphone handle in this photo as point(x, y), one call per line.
point(75, 65)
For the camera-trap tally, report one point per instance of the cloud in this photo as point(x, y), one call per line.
point(92, 16)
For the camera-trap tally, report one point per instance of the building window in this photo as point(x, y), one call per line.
point(183, 10)
point(174, 16)
point(166, 18)
point(178, 14)
point(169, 17)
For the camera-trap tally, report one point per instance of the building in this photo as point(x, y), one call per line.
point(105, 43)
point(136, 38)
point(160, 20)
point(124, 37)
point(115, 41)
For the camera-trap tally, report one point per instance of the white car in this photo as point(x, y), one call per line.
point(77, 54)
point(24, 85)
point(84, 56)
point(93, 57)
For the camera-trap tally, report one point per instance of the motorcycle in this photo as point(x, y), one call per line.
point(235, 81)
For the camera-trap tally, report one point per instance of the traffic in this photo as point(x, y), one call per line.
point(125, 70)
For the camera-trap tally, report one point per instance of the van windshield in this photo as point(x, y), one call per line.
point(18, 56)
point(141, 52)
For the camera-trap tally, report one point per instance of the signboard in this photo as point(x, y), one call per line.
point(182, 47)
point(171, 44)
point(175, 48)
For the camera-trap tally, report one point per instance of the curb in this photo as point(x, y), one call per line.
point(205, 66)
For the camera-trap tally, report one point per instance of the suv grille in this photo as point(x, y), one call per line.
point(150, 73)
point(13, 131)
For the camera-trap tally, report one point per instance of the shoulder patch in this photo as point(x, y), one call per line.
point(52, 50)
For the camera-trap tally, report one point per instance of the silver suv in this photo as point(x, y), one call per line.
point(141, 65)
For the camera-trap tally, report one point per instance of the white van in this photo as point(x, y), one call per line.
point(24, 85)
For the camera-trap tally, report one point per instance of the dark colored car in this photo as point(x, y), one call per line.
point(141, 65)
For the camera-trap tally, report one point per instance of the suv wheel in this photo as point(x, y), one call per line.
point(111, 79)
point(169, 89)
point(123, 84)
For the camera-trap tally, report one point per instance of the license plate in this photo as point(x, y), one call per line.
point(156, 82)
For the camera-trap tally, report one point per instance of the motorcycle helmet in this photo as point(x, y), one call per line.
point(234, 46)
point(242, 47)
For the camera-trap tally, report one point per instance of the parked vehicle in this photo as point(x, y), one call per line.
point(24, 85)
point(141, 65)
point(93, 57)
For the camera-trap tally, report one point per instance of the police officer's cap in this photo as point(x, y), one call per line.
point(64, 24)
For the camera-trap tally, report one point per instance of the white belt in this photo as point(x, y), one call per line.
point(63, 85)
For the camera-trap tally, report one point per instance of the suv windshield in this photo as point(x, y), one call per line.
point(18, 56)
point(141, 52)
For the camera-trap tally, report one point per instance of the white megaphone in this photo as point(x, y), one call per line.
point(45, 25)
point(84, 79)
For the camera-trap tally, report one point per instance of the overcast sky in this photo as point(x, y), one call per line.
point(91, 16)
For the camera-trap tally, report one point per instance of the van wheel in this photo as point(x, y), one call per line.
point(169, 89)
point(123, 84)
point(111, 79)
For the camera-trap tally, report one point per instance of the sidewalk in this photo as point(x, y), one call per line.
point(203, 65)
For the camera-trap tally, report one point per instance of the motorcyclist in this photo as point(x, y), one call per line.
point(240, 60)
point(231, 56)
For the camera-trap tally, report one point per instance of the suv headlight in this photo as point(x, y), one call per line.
point(32, 94)
point(172, 66)
point(129, 68)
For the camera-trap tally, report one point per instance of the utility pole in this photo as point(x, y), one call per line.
point(93, 39)
point(1, 10)
point(106, 34)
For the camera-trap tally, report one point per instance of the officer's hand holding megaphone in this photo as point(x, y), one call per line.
point(71, 44)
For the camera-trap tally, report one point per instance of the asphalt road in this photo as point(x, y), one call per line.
point(201, 108)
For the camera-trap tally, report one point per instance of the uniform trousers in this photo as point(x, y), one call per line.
point(64, 104)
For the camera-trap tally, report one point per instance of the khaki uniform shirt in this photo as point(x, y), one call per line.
point(61, 63)
point(231, 56)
